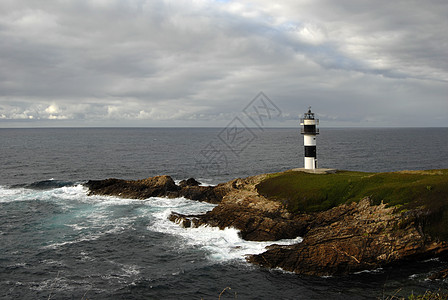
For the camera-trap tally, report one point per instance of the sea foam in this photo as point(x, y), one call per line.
point(219, 245)
point(90, 217)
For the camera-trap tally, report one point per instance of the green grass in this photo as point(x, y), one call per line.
point(305, 192)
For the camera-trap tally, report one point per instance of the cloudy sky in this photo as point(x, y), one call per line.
point(200, 62)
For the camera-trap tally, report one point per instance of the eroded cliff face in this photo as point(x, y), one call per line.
point(350, 238)
point(344, 239)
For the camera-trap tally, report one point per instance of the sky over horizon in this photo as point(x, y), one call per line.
point(71, 63)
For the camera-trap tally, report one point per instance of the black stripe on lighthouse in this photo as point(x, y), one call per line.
point(309, 129)
point(310, 151)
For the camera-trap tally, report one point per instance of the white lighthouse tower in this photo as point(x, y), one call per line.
point(308, 129)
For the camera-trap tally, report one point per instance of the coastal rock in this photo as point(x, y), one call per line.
point(257, 218)
point(158, 186)
point(210, 194)
point(350, 238)
point(440, 275)
point(254, 224)
point(189, 182)
point(137, 189)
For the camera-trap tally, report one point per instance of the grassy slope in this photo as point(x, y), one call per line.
point(304, 192)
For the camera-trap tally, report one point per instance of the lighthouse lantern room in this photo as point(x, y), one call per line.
point(308, 129)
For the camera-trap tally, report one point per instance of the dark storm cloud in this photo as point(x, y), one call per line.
point(136, 62)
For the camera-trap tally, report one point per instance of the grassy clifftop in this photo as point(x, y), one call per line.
point(406, 190)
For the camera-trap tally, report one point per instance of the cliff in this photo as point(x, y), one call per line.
point(349, 221)
point(351, 238)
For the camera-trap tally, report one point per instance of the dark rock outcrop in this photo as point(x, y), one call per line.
point(350, 238)
point(440, 275)
point(189, 182)
point(138, 189)
point(254, 224)
point(158, 186)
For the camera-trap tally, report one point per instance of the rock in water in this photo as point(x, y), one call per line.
point(138, 189)
point(158, 186)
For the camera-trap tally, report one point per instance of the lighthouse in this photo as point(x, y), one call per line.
point(308, 129)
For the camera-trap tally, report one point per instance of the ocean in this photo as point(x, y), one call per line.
point(56, 242)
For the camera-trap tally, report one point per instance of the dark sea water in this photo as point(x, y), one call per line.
point(56, 242)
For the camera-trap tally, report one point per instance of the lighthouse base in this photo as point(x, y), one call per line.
point(310, 163)
point(316, 171)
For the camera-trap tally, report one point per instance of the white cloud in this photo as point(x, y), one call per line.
point(52, 109)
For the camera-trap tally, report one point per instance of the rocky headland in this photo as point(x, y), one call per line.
point(158, 186)
point(357, 231)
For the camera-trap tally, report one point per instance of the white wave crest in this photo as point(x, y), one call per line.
point(220, 245)
point(75, 192)
point(87, 218)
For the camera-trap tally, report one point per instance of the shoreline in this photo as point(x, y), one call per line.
point(343, 239)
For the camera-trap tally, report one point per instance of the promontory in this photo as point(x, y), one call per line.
point(349, 221)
